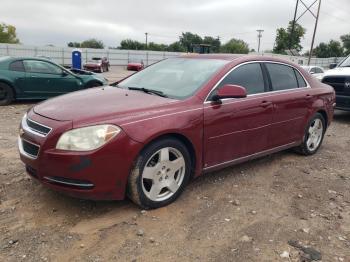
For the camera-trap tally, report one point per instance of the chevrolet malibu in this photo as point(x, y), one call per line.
point(150, 134)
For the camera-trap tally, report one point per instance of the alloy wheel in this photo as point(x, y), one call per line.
point(163, 174)
point(315, 134)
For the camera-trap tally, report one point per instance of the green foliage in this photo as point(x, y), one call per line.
point(282, 41)
point(188, 39)
point(8, 34)
point(176, 47)
point(92, 43)
point(235, 46)
point(131, 45)
point(331, 49)
point(346, 43)
point(214, 42)
point(73, 44)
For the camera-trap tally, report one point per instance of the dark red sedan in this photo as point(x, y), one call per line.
point(171, 122)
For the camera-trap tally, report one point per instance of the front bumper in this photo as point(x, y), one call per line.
point(99, 175)
point(343, 102)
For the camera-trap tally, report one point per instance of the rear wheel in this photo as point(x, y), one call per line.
point(6, 94)
point(159, 174)
point(313, 136)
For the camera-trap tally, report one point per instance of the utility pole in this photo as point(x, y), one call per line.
point(146, 39)
point(315, 29)
point(295, 20)
point(260, 31)
point(293, 26)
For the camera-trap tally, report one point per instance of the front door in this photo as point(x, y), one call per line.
point(238, 127)
point(44, 79)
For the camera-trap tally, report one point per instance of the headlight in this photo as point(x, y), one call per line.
point(87, 138)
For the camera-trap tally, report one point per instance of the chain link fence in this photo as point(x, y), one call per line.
point(63, 55)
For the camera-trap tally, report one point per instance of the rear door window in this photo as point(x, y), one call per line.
point(249, 76)
point(282, 77)
point(17, 66)
point(36, 66)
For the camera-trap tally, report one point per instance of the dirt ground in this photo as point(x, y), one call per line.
point(247, 212)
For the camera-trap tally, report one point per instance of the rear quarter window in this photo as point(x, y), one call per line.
point(282, 77)
point(301, 81)
point(17, 66)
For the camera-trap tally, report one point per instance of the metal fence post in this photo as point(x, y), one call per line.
point(62, 56)
point(147, 58)
point(86, 55)
point(128, 57)
point(7, 50)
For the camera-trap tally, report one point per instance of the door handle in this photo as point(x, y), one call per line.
point(265, 103)
point(307, 97)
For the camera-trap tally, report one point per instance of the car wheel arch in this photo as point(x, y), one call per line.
point(181, 137)
point(10, 85)
point(325, 115)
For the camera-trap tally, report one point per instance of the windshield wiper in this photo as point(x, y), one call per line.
point(148, 91)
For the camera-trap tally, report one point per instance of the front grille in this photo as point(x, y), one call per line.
point(30, 149)
point(338, 83)
point(39, 128)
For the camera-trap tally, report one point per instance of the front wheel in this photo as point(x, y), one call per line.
point(6, 94)
point(313, 136)
point(159, 174)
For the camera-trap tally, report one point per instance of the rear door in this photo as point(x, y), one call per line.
point(44, 79)
point(237, 127)
point(291, 99)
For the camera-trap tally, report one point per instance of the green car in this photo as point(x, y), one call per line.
point(36, 78)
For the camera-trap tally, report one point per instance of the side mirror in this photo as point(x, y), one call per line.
point(230, 91)
point(333, 65)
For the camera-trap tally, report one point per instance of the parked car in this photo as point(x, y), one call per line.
point(316, 71)
point(97, 64)
point(36, 78)
point(135, 66)
point(339, 79)
point(155, 130)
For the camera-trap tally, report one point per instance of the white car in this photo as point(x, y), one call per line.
point(339, 79)
point(316, 71)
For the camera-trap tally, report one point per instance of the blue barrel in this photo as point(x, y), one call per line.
point(76, 59)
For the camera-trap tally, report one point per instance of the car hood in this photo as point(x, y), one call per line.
point(95, 105)
point(338, 71)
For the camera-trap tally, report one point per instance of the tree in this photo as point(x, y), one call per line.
point(73, 44)
point(8, 34)
point(92, 43)
point(157, 47)
point(346, 43)
point(176, 47)
point(284, 41)
point(214, 42)
point(188, 39)
point(235, 46)
point(331, 49)
point(131, 45)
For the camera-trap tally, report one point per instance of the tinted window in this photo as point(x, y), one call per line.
point(36, 66)
point(318, 70)
point(249, 76)
point(301, 81)
point(17, 66)
point(282, 77)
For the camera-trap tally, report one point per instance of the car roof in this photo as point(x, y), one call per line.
point(229, 57)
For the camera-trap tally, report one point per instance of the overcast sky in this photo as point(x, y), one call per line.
point(42, 22)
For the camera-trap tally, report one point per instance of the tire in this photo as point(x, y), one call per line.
point(93, 84)
point(6, 94)
point(107, 68)
point(313, 136)
point(155, 182)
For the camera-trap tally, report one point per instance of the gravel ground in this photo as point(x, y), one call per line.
point(270, 209)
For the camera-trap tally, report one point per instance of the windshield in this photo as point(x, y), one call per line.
point(177, 78)
point(346, 62)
